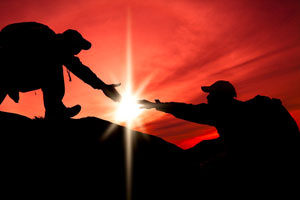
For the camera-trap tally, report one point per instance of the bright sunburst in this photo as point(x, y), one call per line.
point(128, 109)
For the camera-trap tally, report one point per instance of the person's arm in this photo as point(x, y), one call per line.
point(195, 113)
point(85, 74)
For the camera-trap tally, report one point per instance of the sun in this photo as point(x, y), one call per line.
point(128, 109)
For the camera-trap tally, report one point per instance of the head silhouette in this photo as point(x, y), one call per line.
point(221, 92)
point(74, 42)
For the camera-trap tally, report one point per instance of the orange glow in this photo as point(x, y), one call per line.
point(177, 46)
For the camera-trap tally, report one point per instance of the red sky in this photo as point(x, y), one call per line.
point(177, 46)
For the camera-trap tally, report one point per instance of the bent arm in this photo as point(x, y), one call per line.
point(84, 73)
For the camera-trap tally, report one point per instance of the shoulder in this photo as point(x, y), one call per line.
point(70, 59)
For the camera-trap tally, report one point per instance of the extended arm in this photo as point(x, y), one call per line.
point(85, 74)
point(195, 113)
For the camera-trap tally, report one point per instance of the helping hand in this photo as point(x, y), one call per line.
point(111, 92)
point(147, 104)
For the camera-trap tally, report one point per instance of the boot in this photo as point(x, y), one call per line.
point(62, 113)
point(71, 112)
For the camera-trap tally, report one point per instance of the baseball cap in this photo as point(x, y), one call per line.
point(74, 37)
point(223, 87)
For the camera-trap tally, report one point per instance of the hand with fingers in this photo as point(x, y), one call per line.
point(148, 104)
point(111, 92)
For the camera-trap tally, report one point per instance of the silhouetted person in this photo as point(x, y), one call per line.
point(32, 56)
point(260, 136)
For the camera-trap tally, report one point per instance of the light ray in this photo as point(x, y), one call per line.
point(128, 110)
point(128, 139)
point(109, 130)
point(145, 82)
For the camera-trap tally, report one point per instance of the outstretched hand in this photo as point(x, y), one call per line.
point(148, 104)
point(111, 92)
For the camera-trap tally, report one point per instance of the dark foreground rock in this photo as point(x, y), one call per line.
point(86, 158)
point(82, 157)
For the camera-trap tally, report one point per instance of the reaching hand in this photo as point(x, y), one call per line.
point(147, 104)
point(111, 92)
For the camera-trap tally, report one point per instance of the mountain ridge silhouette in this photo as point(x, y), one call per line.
point(78, 158)
point(77, 153)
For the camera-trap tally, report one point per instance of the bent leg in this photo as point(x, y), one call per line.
point(53, 92)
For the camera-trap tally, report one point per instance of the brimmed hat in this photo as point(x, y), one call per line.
point(76, 38)
point(222, 87)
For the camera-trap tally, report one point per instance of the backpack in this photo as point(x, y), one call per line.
point(275, 115)
point(19, 43)
point(25, 35)
point(279, 132)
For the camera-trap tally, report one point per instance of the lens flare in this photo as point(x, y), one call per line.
point(128, 109)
